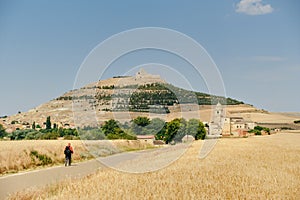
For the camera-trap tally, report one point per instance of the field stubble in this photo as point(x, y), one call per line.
point(266, 167)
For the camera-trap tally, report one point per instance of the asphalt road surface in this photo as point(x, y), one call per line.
point(37, 178)
point(138, 162)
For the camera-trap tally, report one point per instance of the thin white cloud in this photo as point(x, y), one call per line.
point(253, 7)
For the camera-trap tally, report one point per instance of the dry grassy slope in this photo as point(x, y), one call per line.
point(61, 113)
point(261, 116)
point(60, 109)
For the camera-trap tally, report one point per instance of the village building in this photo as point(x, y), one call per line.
point(146, 138)
point(237, 126)
point(221, 125)
point(216, 125)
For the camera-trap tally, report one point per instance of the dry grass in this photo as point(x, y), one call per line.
point(266, 167)
point(15, 155)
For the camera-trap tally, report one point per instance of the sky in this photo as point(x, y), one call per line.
point(255, 45)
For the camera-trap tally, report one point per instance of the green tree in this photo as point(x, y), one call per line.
point(48, 123)
point(161, 134)
point(171, 130)
point(139, 126)
point(110, 126)
point(19, 134)
point(33, 125)
point(174, 130)
point(156, 125)
point(142, 121)
point(181, 131)
point(201, 132)
point(2, 131)
point(120, 134)
point(192, 127)
point(61, 132)
point(260, 128)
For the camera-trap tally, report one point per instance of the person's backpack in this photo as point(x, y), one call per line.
point(67, 151)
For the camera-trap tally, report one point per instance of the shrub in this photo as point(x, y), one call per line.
point(120, 134)
point(33, 135)
point(18, 134)
point(266, 130)
point(50, 136)
point(42, 158)
point(260, 128)
point(71, 137)
point(255, 131)
point(92, 134)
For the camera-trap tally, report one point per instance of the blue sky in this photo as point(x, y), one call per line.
point(254, 43)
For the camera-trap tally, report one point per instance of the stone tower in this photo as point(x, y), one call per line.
point(216, 125)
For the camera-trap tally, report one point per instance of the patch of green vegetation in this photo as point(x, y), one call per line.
point(2, 132)
point(174, 130)
point(42, 158)
point(146, 97)
point(258, 130)
point(156, 97)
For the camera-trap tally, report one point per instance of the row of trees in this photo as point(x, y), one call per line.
point(157, 94)
point(174, 130)
point(36, 132)
point(42, 134)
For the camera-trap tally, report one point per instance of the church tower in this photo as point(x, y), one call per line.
point(216, 125)
point(218, 114)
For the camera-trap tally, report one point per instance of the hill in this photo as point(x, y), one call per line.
point(140, 95)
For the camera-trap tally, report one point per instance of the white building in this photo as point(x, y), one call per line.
point(228, 126)
point(216, 125)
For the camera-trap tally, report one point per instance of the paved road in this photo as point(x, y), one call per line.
point(134, 162)
point(37, 178)
point(16, 182)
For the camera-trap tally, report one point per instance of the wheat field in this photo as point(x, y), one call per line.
point(265, 167)
point(17, 156)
